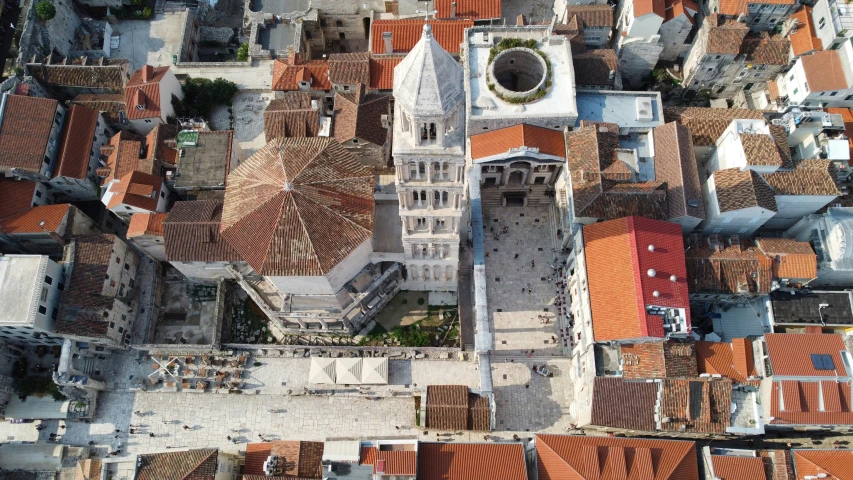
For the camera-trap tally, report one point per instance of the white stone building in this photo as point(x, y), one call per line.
point(822, 79)
point(29, 293)
point(429, 156)
point(831, 234)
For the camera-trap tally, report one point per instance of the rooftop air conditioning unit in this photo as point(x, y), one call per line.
point(644, 110)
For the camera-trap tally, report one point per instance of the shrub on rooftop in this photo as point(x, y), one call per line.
point(45, 10)
point(202, 94)
point(243, 52)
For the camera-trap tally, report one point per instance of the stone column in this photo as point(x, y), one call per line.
point(431, 225)
point(300, 322)
point(417, 170)
point(323, 323)
point(455, 221)
point(429, 171)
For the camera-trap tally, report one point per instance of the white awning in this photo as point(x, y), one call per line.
point(322, 370)
point(374, 371)
point(35, 408)
point(348, 371)
point(342, 451)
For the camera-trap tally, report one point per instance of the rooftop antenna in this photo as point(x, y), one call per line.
point(427, 13)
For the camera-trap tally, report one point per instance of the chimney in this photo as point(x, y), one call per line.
point(107, 150)
point(147, 73)
point(453, 10)
point(389, 44)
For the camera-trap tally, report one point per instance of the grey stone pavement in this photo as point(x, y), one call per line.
point(521, 291)
point(151, 42)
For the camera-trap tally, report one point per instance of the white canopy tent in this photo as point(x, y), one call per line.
point(35, 408)
point(374, 371)
point(342, 451)
point(322, 370)
point(349, 371)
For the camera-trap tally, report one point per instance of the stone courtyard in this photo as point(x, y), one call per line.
point(520, 281)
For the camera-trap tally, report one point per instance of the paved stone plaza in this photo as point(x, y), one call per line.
point(521, 291)
point(528, 402)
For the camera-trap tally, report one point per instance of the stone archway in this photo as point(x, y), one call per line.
point(515, 179)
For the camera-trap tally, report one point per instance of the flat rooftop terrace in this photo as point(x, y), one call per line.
point(620, 108)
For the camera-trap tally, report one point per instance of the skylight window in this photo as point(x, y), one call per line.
point(822, 362)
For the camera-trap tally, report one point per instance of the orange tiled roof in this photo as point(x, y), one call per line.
point(730, 467)
point(15, 195)
point(789, 353)
point(143, 89)
point(29, 221)
point(804, 40)
point(25, 131)
point(817, 402)
point(793, 259)
point(396, 463)
point(736, 7)
point(302, 459)
point(618, 259)
point(675, 8)
point(473, 9)
point(136, 189)
point(493, 461)
point(287, 73)
point(563, 457)
point(146, 224)
point(835, 464)
point(405, 33)
point(645, 7)
point(382, 71)
point(72, 158)
point(824, 71)
point(496, 142)
point(731, 360)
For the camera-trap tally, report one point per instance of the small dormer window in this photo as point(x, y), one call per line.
point(140, 107)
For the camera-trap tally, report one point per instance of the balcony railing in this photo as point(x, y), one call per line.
point(842, 17)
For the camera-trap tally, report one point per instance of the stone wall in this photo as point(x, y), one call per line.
point(672, 36)
point(42, 38)
point(218, 35)
point(189, 37)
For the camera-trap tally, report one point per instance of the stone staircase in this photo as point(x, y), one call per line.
point(493, 197)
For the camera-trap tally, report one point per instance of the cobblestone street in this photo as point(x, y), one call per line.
point(520, 289)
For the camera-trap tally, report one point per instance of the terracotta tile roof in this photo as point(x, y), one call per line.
point(731, 360)
point(349, 68)
point(502, 140)
point(382, 71)
point(824, 71)
point(287, 73)
point(72, 158)
point(471, 461)
point(594, 16)
point(763, 48)
point(359, 115)
point(15, 196)
point(701, 405)
point(282, 201)
point(819, 402)
point(561, 457)
point(159, 155)
point(671, 359)
point(301, 459)
point(452, 407)
point(111, 105)
point(368, 455)
point(760, 149)
point(396, 463)
point(123, 154)
point(143, 89)
point(835, 464)
point(772, 90)
point(291, 116)
point(738, 189)
point(146, 224)
point(812, 308)
point(191, 232)
point(24, 131)
point(736, 7)
point(780, 135)
point(790, 353)
point(405, 33)
point(804, 40)
point(707, 124)
point(593, 68)
point(136, 189)
point(777, 464)
point(676, 8)
point(620, 403)
point(473, 9)
point(729, 467)
point(83, 300)
point(793, 259)
point(572, 29)
point(715, 266)
point(83, 72)
point(89, 469)
point(675, 164)
point(188, 465)
point(618, 257)
point(29, 221)
point(811, 177)
point(596, 171)
point(725, 35)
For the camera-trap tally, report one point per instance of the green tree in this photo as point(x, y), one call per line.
point(243, 52)
point(39, 386)
point(202, 94)
point(45, 10)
